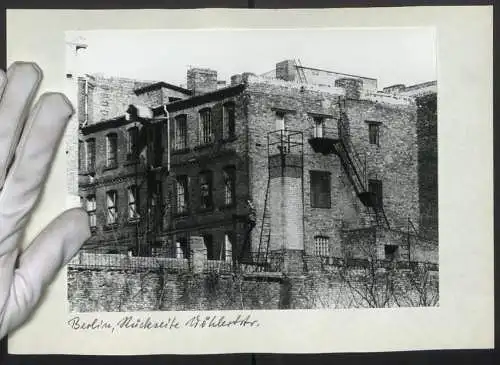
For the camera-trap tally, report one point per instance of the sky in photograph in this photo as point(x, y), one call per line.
point(391, 55)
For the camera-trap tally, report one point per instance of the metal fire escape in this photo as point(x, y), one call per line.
point(327, 141)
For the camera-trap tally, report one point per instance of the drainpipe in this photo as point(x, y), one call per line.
point(167, 114)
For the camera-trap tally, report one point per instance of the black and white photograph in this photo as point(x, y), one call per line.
point(254, 169)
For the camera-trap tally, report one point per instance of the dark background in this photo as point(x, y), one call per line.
point(409, 357)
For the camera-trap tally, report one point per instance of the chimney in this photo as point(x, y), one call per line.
point(351, 86)
point(201, 80)
point(286, 70)
point(236, 79)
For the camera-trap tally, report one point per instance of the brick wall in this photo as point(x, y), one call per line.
point(428, 164)
point(191, 161)
point(118, 290)
point(394, 160)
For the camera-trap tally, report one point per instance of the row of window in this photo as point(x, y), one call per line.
point(179, 137)
point(182, 197)
point(320, 194)
point(205, 189)
point(319, 127)
point(320, 184)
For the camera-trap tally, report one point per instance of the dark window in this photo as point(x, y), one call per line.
point(209, 244)
point(390, 251)
point(133, 140)
point(133, 202)
point(229, 185)
point(91, 210)
point(206, 131)
point(375, 187)
point(228, 120)
point(111, 202)
point(111, 149)
point(321, 246)
point(320, 189)
point(90, 155)
point(374, 133)
point(206, 190)
point(181, 248)
point(182, 194)
point(180, 132)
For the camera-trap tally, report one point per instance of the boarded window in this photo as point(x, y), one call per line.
point(180, 132)
point(228, 120)
point(91, 210)
point(322, 246)
point(206, 190)
point(206, 131)
point(229, 185)
point(111, 202)
point(182, 194)
point(111, 150)
point(133, 202)
point(320, 189)
point(375, 187)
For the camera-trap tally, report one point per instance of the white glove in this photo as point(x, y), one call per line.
point(27, 148)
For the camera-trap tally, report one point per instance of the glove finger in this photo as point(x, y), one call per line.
point(23, 80)
point(53, 248)
point(34, 155)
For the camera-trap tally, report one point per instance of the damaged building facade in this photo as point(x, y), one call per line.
point(288, 170)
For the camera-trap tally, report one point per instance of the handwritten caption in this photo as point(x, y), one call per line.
point(128, 322)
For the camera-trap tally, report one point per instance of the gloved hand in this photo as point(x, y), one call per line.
point(27, 147)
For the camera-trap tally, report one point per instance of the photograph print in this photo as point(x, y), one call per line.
point(254, 169)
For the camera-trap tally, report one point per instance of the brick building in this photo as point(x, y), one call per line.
point(325, 159)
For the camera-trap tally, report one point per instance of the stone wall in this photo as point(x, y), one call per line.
point(100, 290)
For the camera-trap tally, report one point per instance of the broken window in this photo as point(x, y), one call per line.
point(91, 210)
point(228, 120)
point(133, 202)
point(111, 149)
point(90, 155)
point(182, 194)
point(112, 216)
point(320, 189)
point(180, 132)
point(206, 132)
point(133, 141)
point(209, 245)
point(206, 190)
point(229, 185)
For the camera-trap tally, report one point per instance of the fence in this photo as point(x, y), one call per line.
point(99, 261)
